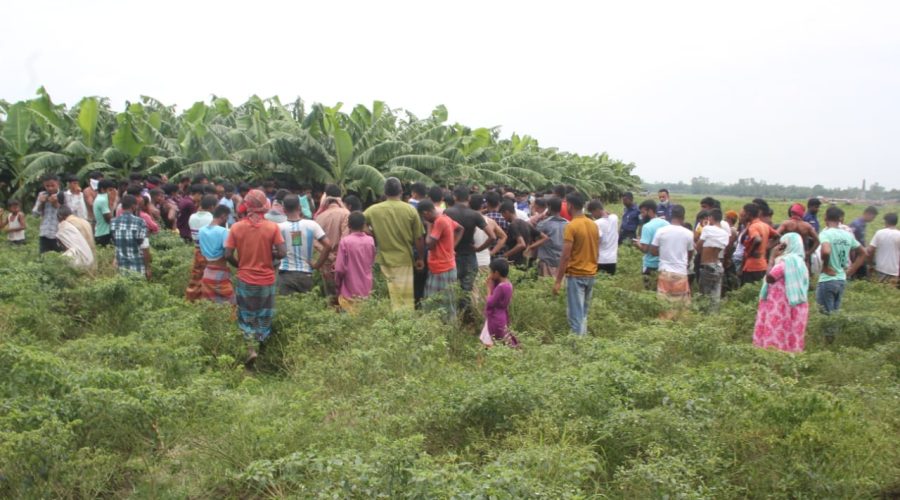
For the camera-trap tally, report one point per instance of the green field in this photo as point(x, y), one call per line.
point(116, 388)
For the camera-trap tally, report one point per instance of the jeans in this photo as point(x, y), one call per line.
point(828, 296)
point(578, 300)
point(466, 271)
point(710, 282)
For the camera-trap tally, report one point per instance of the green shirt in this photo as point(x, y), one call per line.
point(101, 206)
point(396, 225)
point(841, 243)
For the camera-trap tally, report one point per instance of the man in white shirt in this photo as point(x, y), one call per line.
point(608, 226)
point(674, 245)
point(74, 198)
point(884, 251)
point(711, 245)
point(197, 221)
point(295, 274)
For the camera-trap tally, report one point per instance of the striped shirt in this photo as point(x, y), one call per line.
point(299, 236)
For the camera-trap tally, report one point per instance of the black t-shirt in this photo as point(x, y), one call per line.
point(529, 233)
point(469, 219)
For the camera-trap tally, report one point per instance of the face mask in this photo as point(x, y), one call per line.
point(95, 184)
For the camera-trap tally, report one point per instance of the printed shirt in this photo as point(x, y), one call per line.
point(253, 244)
point(551, 250)
point(631, 218)
point(664, 210)
point(396, 226)
point(442, 257)
point(841, 243)
point(582, 233)
point(648, 231)
point(129, 235)
point(101, 207)
point(47, 213)
point(211, 241)
point(300, 237)
point(812, 219)
point(353, 265)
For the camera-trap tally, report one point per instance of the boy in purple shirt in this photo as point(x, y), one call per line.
point(353, 265)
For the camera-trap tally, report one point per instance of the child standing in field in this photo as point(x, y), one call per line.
point(13, 223)
point(496, 312)
point(353, 265)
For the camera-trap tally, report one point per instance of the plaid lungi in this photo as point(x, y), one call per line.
point(216, 284)
point(193, 291)
point(256, 306)
point(442, 285)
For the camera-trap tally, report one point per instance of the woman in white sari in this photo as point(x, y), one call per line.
point(77, 248)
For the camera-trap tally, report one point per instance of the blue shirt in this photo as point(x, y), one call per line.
point(812, 219)
point(664, 210)
point(631, 218)
point(647, 233)
point(859, 230)
point(212, 241)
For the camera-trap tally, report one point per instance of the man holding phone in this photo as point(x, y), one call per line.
point(45, 207)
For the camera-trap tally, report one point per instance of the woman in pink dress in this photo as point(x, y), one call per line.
point(496, 311)
point(783, 306)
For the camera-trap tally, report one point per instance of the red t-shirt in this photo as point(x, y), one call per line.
point(253, 244)
point(764, 231)
point(442, 257)
point(564, 211)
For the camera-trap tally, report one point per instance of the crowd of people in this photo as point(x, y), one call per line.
point(434, 247)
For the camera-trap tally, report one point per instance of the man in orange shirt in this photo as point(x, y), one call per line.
point(443, 235)
point(253, 239)
point(578, 264)
point(756, 245)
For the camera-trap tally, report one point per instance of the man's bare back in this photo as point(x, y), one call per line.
point(804, 229)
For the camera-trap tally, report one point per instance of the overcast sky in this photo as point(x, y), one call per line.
point(788, 91)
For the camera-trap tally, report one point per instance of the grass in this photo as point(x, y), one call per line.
point(116, 388)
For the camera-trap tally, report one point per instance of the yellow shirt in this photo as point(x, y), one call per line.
point(585, 239)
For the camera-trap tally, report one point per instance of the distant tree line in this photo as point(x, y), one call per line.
point(754, 187)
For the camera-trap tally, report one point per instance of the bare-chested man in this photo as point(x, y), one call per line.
point(712, 243)
point(796, 224)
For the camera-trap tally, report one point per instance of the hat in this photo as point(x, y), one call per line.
point(731, 214)
point(797, 209)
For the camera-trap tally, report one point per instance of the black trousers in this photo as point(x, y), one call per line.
point(46, 244)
